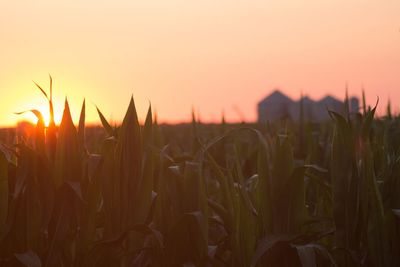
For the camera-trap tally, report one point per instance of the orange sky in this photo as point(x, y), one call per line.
point(212, 55)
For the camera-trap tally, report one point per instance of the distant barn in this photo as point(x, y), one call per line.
point(278, 106)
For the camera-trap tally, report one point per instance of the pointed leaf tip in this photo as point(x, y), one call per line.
point(105, 123)
point(41, 89)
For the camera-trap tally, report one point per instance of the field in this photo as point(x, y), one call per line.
point(279, 194)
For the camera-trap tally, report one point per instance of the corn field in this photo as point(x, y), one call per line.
point(280, 194)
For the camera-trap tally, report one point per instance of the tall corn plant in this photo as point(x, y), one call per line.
point(49, 205)
point(263, 214)
point(281, 195)
point(360, 236)
point(126, 176)
point(31, 198)
point(3, 192)
point(181, 211)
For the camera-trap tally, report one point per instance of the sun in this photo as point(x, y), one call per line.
point(37, 99)
point(45, 112)
point(46, 116)
point(39, 105)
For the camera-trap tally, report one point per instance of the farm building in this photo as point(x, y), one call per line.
point(278, 106)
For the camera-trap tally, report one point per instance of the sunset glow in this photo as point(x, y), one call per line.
point(30, 117)
point(166, 133)
point(214, 56)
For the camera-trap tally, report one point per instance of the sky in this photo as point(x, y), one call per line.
point(213, 56)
